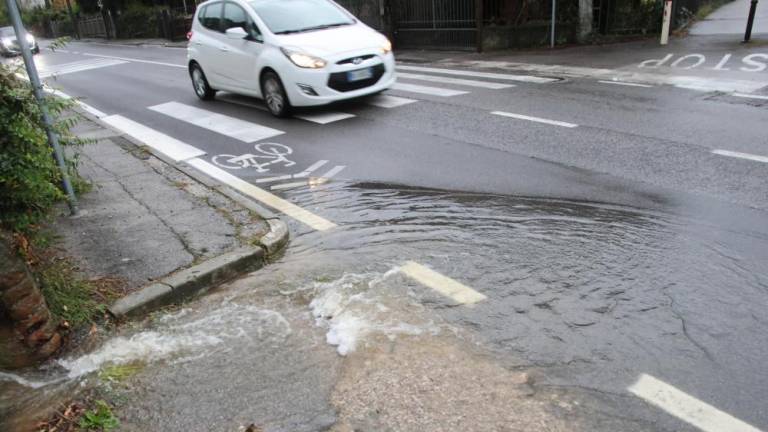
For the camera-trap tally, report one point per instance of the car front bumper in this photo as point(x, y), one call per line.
point(330, 85)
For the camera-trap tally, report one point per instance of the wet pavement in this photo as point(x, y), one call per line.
point(582, 299)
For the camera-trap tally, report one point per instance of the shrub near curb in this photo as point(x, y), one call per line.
point(29, 178)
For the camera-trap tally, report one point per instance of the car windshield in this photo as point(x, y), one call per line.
point(297, 16)
point(7, 31)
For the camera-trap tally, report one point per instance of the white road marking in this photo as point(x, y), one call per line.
point(333, 171)
point(456, 81)
point(291, 185)
point(535, 119)
point(325, 117)
point(219, 123)
point(444, 285)
point(311, 168)
point(306, 217)
point(434, 91)
point(302, 174)
point(135, 60)
point(750, 96)
point(489, 75)
point(171, 147)
point(681, 81)
point(386, 101)
point(741, 155)
point(624, 83)
point(313, 181)
point(67, 68)
point(686, 407)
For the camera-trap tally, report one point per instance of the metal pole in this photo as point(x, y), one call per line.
point(750, 21)
point(37, 89)
point(552, 36)
point(666, 19)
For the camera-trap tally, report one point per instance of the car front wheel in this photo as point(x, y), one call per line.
point(274, 95)
point(202, 89)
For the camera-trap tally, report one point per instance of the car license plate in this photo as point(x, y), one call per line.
point(360, 74)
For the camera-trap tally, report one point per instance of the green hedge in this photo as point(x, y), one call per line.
point(29, 178)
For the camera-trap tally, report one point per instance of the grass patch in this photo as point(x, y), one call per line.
point(119, 373)
point(69, 297)
point(100, 418)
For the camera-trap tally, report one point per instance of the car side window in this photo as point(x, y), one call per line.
point(235, 16)
point(201, 16)
point(212, 19)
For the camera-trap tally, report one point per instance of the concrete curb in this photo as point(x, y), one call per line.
point(189, 282)
point(204, 276)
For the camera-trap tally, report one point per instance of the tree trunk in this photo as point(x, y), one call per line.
point(28, 332)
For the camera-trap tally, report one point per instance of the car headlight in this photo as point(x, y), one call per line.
point(387, 47)
point(304, 60)
point(7, 41)
point(30, 39)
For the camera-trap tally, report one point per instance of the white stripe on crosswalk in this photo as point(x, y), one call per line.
point(489, 75)
point(325, 117)
point(434, 91)
point(456, 81)
point(171, 147)
point(386, 101)
point(219, 123)
point(67, 68)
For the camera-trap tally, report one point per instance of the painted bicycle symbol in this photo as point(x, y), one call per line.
point(269, 154)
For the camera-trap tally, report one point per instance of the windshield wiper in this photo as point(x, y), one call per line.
point(319, 27)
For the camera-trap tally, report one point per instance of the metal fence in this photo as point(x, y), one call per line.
point(370, 12)
point(435, 23)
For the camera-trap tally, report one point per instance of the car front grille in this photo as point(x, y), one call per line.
point(351, 60)
point(338, 81)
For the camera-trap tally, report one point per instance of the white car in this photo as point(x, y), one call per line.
point(288, 52)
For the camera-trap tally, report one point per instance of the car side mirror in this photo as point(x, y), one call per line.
point(236, 33)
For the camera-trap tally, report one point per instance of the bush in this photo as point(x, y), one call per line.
point(29, 177)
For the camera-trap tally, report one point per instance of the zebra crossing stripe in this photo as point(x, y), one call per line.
point(67, 68)
point(169, 146)
point(387, 101)
point(325, 117)
point(488, 75)
point(455, 81)
point(434, 91)
point(219, 123)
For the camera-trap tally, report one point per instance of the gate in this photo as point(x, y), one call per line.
point(93, 26)
point(436, 24)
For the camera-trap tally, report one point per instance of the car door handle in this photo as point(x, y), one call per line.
point(223, 48)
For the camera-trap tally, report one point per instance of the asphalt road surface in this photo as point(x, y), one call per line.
point(616, 228)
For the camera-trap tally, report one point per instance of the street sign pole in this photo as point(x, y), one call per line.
point(37, 89)
point(666, 19)
point(552, 35)
point(750, 21)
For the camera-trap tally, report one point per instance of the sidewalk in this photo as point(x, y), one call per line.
point(732, 19)
point(145, 219)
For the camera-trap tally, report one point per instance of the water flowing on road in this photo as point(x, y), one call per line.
point(587, 295)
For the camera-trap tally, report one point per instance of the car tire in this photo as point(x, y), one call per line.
point(200, 84)
point(274, 95)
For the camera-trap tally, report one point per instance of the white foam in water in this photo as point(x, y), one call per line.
point(352, 308)
point(174, 339)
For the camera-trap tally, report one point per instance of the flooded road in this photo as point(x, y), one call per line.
point(582, 298)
